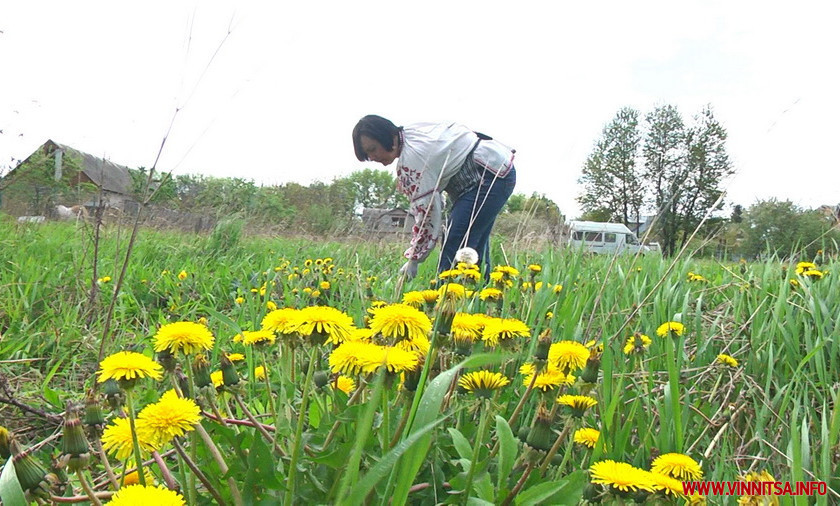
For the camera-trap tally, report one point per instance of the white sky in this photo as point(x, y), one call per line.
point(279, 100)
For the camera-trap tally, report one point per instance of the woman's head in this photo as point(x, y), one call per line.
point(376, 139)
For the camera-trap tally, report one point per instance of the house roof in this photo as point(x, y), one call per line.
point(105, 173)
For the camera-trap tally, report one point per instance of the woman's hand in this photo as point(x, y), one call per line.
point(409, 269)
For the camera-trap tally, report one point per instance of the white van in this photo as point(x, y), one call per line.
point(609, 238)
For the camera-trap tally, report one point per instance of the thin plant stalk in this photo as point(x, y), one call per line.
point(482, 429)
point(131, 415)
point(290, 482)
point(198, 473)
point(87, 488)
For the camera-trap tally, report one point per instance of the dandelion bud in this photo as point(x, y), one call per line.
point(229, 374)
point(5, 440)
point(76, 450)
point(93, 412)
point(165, 358)
point(183, 383)
point(590, 371)
point(412, 378)
point(592, 493)
point(113, 394)
point(31, 474)
point(523, 432)
point(540, 437)
point(321, 378)
point(201, 371)
point(543, 345)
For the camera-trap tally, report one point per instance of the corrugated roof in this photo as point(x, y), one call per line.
point(105, 173)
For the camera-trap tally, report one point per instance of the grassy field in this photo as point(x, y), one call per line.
point(746, 382)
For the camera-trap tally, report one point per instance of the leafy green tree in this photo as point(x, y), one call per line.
point(612, 183)
point(707, 165)
point(785, 229)
point(375, 188)
point(515, 203)
point(665, 170)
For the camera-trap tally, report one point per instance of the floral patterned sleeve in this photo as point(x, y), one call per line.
point(426, 229)
point(425, 208)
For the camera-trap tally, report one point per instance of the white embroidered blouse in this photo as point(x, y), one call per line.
point(431, 154)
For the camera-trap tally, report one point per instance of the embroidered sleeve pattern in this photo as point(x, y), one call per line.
point(427, 221)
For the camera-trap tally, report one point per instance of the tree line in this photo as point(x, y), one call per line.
point(315, 208)
point(657, 165)
point(660, 167)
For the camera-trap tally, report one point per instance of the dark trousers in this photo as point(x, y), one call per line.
point(473, 216)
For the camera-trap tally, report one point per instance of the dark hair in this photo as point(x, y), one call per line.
point(377, 128)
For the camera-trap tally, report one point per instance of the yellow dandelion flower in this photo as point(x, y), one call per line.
point(670, 329)
point(413, 299)
point(401, 321)
point(466, 328)
point(430, 296)
point(134, 495)
point(453, 291)
point(419, 345)
point(188, 337)
point(483, 383)
point(637, 343)
point(557, 289)
point(587, 436)
point(726, 360)
point(259, 373)
point(182, 275)
point(502, 329)
point(667, 485)
point(217, 377)
point(757, 500)
point(344, 383)
point(255, 337)
point(353, 357)
point(104, 279)
point(127, 366)
point(170, 417)
point(535, 268)
point(620, 476)
point(490, 294)
point(325, 321)
point(395, 360)
point(281, 321)
point(813, 274)
point(568, 355)
point(235, 357)
point(507, 270)
point(239, 300)
point(549, 379)
point(677, 465)
point(362, 334)
point(117, 440)
point(450, 274)
point(270, 305)
point(133, 478)
point(801, 267)
point(578, 403)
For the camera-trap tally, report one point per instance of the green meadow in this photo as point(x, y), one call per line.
point(684, 368)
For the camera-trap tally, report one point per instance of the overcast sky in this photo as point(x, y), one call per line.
point(289, 80)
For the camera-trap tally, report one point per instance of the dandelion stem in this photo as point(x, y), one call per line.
point(164, 470)
point(134, 438)
point(223, 467)
point(197, 472)
point(86, 487)
point(109, 471)
point(482, 429)
point(290, 482)
point(521, 404)
point(519, 484)
point(268, 438)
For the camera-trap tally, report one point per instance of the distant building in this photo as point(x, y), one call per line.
point(641, 225)
point(55, 174)
point(387, 220)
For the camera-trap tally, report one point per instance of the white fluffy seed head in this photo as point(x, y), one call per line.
point(467, 255)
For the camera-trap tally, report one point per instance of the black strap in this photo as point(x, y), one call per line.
point(483, 137)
